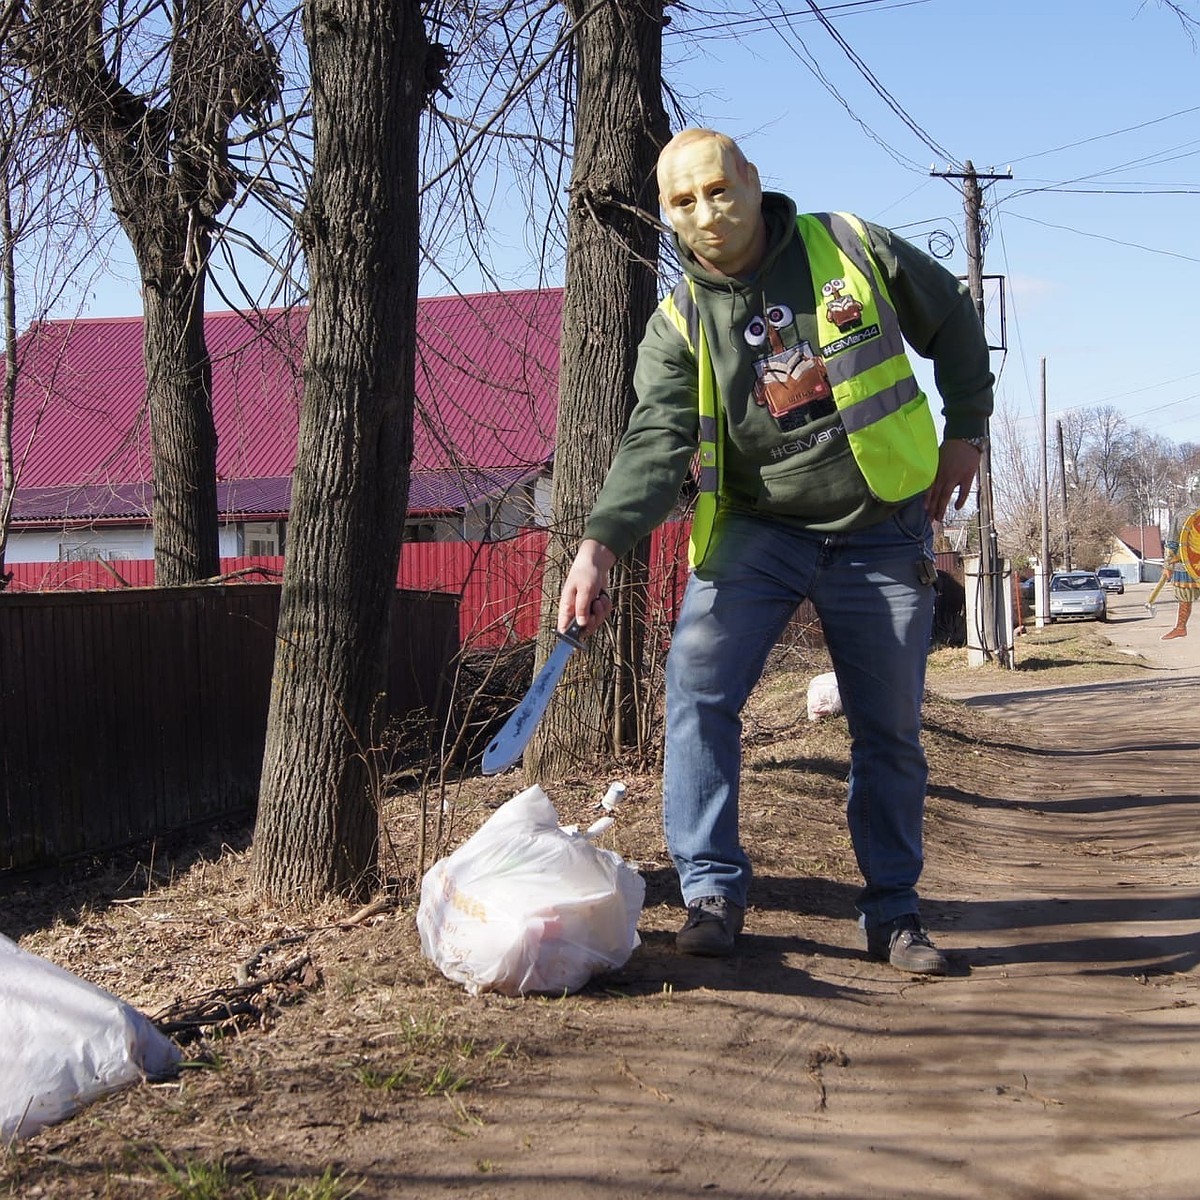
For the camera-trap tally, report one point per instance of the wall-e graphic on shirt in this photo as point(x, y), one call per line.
point(844, 311)
point(791, 383)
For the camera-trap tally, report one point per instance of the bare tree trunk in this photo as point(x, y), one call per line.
point(8, 283)
point(317, 829)
point(612, 252)
point(182, 431)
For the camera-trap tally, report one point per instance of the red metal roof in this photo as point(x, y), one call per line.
point(1144, 540)
point(445, 491)
point(486, 393)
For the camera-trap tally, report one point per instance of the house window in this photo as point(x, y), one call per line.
point(89, 552)
point(261, 539)
point(420, 531)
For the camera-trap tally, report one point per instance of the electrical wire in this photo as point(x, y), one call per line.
point(802, 52)
point(1100, 137)
point(877, 86)
point(726, 29)
point(1105, 238)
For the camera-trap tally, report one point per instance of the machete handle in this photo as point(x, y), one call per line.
point(573, 634)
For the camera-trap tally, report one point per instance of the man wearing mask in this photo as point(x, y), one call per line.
point(779, 361)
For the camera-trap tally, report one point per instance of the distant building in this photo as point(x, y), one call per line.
point(1138, 551)
point(487, 393)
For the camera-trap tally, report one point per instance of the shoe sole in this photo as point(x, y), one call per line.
point(702, 950)
point(699, 952)
point(939, 966)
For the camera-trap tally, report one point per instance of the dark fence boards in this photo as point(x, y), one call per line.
point(126, 714)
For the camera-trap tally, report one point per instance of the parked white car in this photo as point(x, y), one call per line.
point(1077, 594)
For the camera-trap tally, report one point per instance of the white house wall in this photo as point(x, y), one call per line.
point(541, 499)
point(116, 544)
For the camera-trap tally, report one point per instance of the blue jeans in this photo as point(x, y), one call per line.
point(877, 615)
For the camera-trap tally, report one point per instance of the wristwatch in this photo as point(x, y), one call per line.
point(980, 443)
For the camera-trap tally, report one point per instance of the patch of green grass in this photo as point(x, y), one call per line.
point(328, 1187)
point(445, 1081)
point(197, 1180)
point(213, 1181)
point(436, 1066)
point(423, 1032)
point(389, 1081)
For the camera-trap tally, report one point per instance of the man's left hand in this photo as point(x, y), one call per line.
point(958, 466)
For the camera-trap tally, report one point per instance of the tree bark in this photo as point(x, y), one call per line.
point(183, 433)
point(317, 830)
point(610, 293)
point(8, 393)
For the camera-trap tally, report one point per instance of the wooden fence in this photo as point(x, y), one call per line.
point(128, 713)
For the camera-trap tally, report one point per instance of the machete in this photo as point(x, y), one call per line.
point(510, 742)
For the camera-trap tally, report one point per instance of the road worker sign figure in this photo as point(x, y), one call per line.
point(1182, 566)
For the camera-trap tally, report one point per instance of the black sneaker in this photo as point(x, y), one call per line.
point(905, 944)
point(712, 924)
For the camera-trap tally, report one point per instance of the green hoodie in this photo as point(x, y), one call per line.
point(793, 466)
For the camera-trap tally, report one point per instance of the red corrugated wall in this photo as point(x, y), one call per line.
point(498, 583)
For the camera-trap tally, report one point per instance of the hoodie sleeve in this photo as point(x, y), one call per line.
point(938, 319)
point(651, 464)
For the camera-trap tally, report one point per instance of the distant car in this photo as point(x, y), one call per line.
point(1111, 580)
point(1077, 594)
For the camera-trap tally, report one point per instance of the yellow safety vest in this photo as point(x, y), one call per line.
point(887, 417)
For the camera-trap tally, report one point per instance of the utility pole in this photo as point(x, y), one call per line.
point(993, 627)
point(1062, 471)
point(1041, 588)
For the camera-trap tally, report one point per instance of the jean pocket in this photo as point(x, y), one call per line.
point(912, 521)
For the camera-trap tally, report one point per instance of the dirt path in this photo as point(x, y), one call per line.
point(1061, 1059)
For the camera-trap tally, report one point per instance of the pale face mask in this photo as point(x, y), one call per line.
point(715, 208)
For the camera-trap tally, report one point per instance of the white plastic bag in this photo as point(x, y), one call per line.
point(64, 1042)
point(824, 700)
point(525, 906)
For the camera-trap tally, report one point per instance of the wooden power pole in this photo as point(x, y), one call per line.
point(993, 626)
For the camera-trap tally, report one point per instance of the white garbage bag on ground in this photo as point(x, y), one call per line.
point(526, 906)
point(824, 699)
point(64, 1042)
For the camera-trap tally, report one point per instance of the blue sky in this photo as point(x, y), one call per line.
point(1094, 105)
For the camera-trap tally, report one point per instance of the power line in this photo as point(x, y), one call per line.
point(813, 67)
point(877, 86)
point(725, 29)
point(1104, 238)
point(1156, 159)
point(1100, 137)
point(1127, 191)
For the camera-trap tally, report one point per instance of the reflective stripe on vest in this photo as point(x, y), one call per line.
point(886, 415)
point(681, 310)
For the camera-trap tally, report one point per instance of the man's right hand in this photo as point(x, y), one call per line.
point(584, 598)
